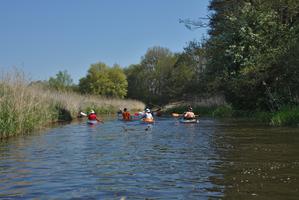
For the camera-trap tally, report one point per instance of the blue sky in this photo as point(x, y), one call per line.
point(41, 37)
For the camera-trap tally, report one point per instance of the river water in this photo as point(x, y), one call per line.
point(213, 159)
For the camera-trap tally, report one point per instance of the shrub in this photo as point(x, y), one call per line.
point(287, 116)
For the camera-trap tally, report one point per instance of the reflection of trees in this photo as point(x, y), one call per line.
point(257, 162)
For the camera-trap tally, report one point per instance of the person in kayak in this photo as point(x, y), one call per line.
point(147, 116)
point(93, 117)
point(189, 114)
point(126, 115)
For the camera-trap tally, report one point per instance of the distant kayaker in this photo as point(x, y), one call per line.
point(148, 115)
point(126, 115)
point(93, 117)
point(189, 114)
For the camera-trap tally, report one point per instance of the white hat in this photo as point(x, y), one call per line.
point(92, 111)
point(147, 110)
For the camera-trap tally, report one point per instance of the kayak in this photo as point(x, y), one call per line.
point(92, 122)
point(148, 121)
point(135, 117)
point(189, 120)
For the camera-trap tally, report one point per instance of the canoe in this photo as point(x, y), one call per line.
point(189, 120)
point(92, 122)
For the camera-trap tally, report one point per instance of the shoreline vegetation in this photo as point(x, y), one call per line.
point(286, 116)
point(26, 108)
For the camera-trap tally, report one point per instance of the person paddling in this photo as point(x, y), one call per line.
point(189, 114)
point(147, 116)
point(126, 115)
point(93, 117)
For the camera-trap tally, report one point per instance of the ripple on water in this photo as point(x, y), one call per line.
point(168, 160)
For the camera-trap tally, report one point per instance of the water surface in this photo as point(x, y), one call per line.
point(214, 159)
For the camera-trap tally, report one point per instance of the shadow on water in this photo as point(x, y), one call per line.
point(165, 160)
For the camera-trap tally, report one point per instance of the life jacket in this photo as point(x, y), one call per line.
point(126, 116)
point(148, 116)
point(92, 116)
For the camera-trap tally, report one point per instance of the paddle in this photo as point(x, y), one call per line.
point(179, 115)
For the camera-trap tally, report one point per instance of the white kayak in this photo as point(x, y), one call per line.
point(189, 120)
point(92, 122)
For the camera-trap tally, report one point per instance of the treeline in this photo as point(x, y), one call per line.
point(100, 79)
point(160, 77)
point(252, 52)
point(250, 57)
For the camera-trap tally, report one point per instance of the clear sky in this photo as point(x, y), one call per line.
point(41, 37)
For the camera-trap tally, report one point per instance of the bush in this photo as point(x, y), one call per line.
point(287, 116)
point(223, 111)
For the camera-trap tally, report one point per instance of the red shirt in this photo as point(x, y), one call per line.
point(92, 116)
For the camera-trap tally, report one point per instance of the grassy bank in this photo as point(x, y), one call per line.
point(286, 116)
point(25, 108)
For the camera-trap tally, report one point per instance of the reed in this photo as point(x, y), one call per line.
point(25, 108)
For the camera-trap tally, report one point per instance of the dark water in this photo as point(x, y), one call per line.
point(116, 160)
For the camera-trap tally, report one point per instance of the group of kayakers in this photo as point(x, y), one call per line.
point(145, 116)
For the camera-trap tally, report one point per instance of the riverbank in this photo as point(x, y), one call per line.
point(25, 108)
point(286, 116)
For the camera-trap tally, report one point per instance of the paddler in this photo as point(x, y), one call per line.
point(93, 117)
point(147, 116)
point(126, 115)
point(189, 114)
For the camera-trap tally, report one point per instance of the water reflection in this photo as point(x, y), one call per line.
point(257, 161)
point(168, 160)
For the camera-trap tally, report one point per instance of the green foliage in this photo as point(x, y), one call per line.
point(163, 76)
point(223, 111)
point(62, 81)
point(251, 53)
point(287, 116)
point(198, 110)
point(104, 80)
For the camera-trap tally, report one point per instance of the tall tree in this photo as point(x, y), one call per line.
point(62, 81)
point(247, 40)
point(104, 80)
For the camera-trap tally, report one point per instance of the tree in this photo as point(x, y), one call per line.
point(61, 82)
point(104, 80)
point(248, 40)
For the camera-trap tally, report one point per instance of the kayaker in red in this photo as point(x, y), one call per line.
point(93, 117)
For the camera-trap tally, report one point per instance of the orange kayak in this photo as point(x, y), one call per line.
point(148, 120)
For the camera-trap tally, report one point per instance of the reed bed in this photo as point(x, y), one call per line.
point(25, 108)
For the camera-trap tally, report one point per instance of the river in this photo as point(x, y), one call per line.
point(213, 159)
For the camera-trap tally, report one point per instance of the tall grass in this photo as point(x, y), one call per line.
point(25, 108)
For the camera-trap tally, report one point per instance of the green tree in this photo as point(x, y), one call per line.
point(61, 82)
point(149, 81)
point(104, 80)
point(248, 40)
